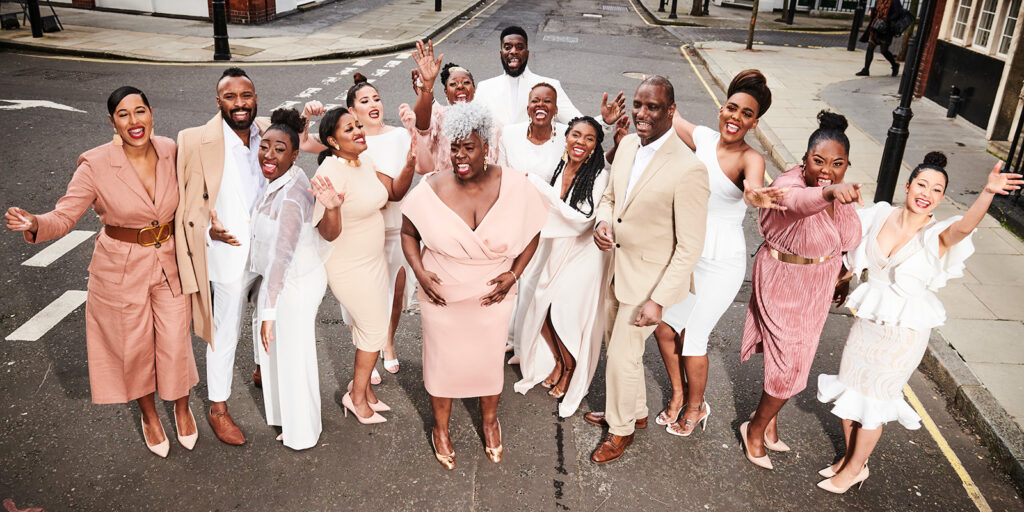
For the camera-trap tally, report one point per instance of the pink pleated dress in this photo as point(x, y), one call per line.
point(463, 341)
point(789, 302)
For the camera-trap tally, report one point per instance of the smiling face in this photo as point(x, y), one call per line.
point(652, 112)
point(459, 88)
point(580, 142)
point(349, 137)
point(514, 54)
point(737, 117)
point(276, 154)
point(543, 106)
point(468, 157)
point(925, 191)
point(236, 98)
point(825, 164)
point(133, 121)
point(368, 107)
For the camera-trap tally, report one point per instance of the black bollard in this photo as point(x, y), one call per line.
point(221, 48)
point(672, 14)
point(34, 18)
point(954, 102)
point(858, 18)
point(437, 5)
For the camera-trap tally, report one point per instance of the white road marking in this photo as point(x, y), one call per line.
point(50, 316)
point(330, 80)
point(591, 15)
point(380, 72)
point(54, 251)
point(362, 62)
point(308, 93)
point(332, 105)
point(393, 63)
point(561, 39)
point(346, 71)
point(402, 56)
point(287, 104)
point(23, 104)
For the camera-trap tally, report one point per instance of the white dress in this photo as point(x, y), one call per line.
point(289, 254)
point(720, 270)
point(388, 151)
point(571, 287)
point(895, 310)
point(517, 152)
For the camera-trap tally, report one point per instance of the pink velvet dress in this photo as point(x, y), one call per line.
point(463, 341)
point(789, 302)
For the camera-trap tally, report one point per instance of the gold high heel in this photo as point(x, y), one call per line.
point(494, 453)
point(858, 481)
point(762, 461)
point(448, 461)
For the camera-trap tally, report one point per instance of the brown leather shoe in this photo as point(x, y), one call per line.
point(222, 424)
point(257, 377)
point(611, 449)
point(597, 418)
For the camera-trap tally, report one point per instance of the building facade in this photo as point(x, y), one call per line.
point(238, 11)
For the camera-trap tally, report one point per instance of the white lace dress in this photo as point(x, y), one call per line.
point(720, 270)
point(288, 252)
point(895, 309)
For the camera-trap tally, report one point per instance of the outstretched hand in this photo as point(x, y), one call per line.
point(20, 220)
point(612, 112)
point(847, 193)
point(324, 191)
point(764, 197)
point(426, 64)
point(1002, 183)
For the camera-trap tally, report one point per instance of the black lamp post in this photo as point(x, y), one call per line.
point(672, 14)
point(221, 48)
point(34, 18)
point(858, 18)
point(896, 140)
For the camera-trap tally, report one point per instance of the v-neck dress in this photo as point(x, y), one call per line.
point(463, 341)
point(789, 302)
point(895, 309)
point(136, 318)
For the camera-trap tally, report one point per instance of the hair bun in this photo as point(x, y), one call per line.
point(358, 78)
point(935, 159)
point(290, 118)
point(832, 121)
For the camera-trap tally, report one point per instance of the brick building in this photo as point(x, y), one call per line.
point(239, 11)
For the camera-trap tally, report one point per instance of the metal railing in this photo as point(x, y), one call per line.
point(844, 5)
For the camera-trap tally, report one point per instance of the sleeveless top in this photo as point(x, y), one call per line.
point(726, 209)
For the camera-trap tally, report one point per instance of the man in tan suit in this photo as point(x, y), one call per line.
point(652, 217)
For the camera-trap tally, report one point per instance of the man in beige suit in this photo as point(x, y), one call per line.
point(652, 217)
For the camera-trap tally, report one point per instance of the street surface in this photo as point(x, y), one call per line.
point(59, 451)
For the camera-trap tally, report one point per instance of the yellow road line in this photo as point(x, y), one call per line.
point(244, 63)
point(642, 17)
point(682, 49)
point(972, 490)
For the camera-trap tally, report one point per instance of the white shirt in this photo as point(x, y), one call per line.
point(644, 154)
point(507, 96)
point(244, 161)
point(241, 188)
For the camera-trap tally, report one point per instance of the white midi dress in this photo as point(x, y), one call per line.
point(895, 309)
point(517, 152)
point(571, 287)
point(288, 252)
point(722, 265)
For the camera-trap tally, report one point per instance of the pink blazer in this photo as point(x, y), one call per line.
point(106, 181)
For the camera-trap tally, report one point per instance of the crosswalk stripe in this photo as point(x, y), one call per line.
point(50, 316)
point(361, 62)
point(54, 251)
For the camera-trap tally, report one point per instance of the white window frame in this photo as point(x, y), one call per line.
point(1010, 15)
point(978, 30)
point(959, 8)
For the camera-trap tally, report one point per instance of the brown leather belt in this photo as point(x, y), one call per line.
point(796, 260)
point(153, 235)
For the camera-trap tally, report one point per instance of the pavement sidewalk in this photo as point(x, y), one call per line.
point(337, 30)
point(738, 17)
point(981, 364)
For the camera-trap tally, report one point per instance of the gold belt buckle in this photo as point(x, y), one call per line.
point(160, 234)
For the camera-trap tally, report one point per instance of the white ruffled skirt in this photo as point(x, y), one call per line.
point(878, 360)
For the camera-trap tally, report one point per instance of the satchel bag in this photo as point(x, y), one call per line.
point(903, 21)
point(880, 26)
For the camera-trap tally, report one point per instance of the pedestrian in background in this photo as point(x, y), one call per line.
point(881, 30)
point(796, 274)
point(908, 256)
point(136, 316)
point(479, 227)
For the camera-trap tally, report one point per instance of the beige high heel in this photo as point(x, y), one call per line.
point(161, 449)
point(858, 481)
point(378, 406)
point(828, 473)
point(762, 461)
point(495, 453)
point(448, 461)
point(188, 441)
point(775, 446)
point(346, 402)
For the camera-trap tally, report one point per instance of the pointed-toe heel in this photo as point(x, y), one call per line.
point(858, 481)
point(160, 449)
point(346, 402)
point(762, 461)
point(448, 461)
point(379, 406)
point(188, 441)
point(494, 454)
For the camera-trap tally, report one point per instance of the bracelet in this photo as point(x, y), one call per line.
point(510, 271)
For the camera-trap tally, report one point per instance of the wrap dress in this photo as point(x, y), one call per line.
point(464, 341)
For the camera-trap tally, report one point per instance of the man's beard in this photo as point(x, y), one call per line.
point(509, 72)
point(235, 125)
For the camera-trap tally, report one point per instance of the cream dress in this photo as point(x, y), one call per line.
point(895, 309)
point(288, 252)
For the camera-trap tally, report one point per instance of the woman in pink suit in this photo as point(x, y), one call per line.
point(479, 226)
point(795, 276)
point(136, 318)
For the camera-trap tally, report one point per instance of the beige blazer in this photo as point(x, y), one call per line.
point(200, 168)
point(659, 230)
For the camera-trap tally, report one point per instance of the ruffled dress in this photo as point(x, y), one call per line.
point(895, 310)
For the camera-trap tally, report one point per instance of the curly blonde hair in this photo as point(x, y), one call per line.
point(464, 119)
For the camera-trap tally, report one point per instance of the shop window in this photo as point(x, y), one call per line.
point(1009, 27)
point(986, 19)
point(963, 14)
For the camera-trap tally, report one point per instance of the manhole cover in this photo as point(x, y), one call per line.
point(637, 75)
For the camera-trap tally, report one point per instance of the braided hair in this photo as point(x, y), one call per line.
point(582, 187)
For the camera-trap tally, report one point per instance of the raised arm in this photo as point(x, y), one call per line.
point(427, 69)
point(329, 225)
point(755, 194)
point(310, 143)
point(998, 183)
point(80, 195)
point(684, 129)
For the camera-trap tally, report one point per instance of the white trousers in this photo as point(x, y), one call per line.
point(229, 302)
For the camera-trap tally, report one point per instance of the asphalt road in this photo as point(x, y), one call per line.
point(59, 451)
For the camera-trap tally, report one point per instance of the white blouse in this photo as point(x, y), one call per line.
point(284, 244)
point(900, 289)
point(388, 151)
point(723, 237)
point(517, 152)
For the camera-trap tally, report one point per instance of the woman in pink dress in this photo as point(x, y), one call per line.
point(136, 318)
point(795, 276)
point(479, 227)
